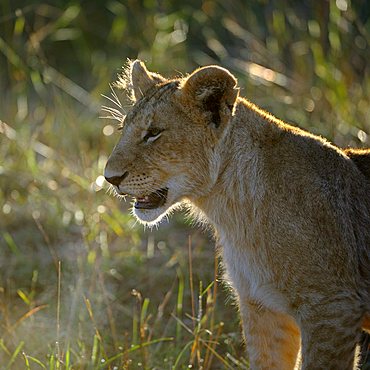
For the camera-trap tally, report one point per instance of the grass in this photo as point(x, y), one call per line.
point(111, 314)
point(81, 285)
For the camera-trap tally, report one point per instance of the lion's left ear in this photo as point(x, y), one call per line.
point(142, 80)
point(214, 90)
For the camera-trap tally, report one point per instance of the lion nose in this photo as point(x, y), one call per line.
point(116, 180)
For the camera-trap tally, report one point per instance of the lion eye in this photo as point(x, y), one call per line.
point(152, 135)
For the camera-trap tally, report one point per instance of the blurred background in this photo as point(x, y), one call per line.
point(82, 286)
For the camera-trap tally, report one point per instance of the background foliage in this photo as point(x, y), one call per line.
point(82, 286)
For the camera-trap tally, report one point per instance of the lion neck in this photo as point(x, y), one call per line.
point(233, 202)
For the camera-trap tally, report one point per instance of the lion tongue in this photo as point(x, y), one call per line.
point(151, 201)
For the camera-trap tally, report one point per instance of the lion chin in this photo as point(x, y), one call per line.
point(153, 216)
point(150, 217)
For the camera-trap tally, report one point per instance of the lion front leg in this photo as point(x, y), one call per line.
point(272, 338)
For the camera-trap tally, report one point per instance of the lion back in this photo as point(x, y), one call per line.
point(361, 157)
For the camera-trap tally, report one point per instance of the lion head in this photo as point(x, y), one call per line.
point(170, 139)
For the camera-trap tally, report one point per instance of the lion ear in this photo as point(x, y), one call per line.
point(142, 80)
point(214, 89)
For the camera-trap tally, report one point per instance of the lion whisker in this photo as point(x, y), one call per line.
point(115, 96)
point(111, 117)
point(112, 101)
point(106, 108)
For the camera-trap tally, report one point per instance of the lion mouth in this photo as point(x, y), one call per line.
point(153, 200)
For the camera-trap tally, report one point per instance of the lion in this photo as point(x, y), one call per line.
point(290, 210)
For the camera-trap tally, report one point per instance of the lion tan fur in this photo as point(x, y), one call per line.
point(290, 210)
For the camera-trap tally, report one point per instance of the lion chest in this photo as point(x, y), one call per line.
point(250, 276)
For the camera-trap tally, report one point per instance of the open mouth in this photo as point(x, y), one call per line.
point(153, 200)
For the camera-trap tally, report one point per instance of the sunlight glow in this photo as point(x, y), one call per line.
point(108, 130)
point(100, 181)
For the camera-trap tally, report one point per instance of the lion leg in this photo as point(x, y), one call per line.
point(330, 337)
point(272, 338)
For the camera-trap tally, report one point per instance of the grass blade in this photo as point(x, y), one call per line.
point(3, 347)
point(35, 360)
point(178, 358)
point(52, 362)
point(14, 355)
point(179, 304)
point(28, 367)
point(11, 243)
point(133, 349)
point(27, 315)
point(67, 360)
point(95, 351)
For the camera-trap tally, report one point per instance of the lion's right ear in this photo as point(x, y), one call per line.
point(142, 80)
point(214, 90)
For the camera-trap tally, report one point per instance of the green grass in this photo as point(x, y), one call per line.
point(131, 309)
point(82, 286)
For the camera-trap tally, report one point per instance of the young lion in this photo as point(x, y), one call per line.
point(290, 210)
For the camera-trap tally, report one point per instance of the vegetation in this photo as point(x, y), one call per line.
point(81, 285)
